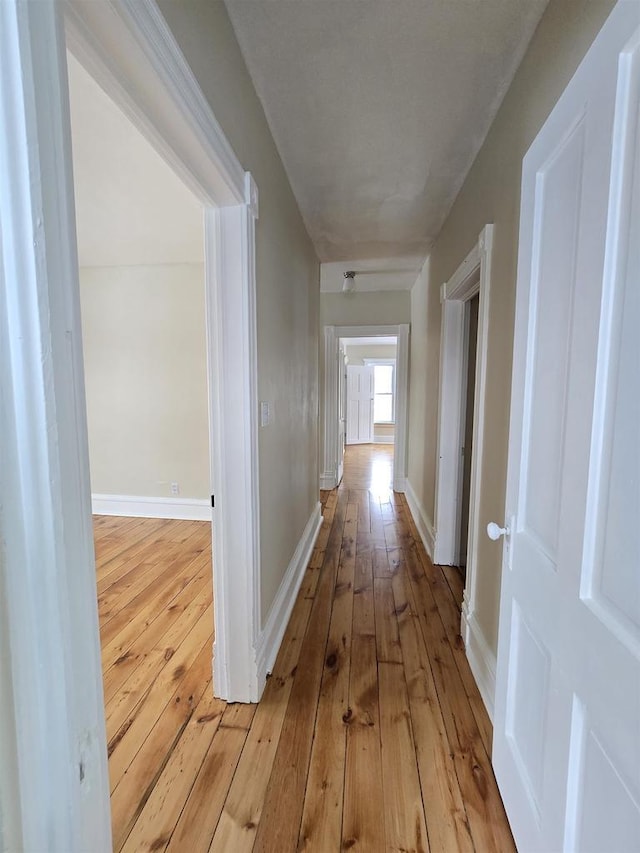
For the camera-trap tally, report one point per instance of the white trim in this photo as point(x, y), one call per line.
point(329, 475)
point(472, 277)
point(332, 336)
point(271, 637)
point(423, 523)
point(383, 439)
point(47, 571)
point(481, 659)
point(166, 103)
point(190, 509)
point(236, 533)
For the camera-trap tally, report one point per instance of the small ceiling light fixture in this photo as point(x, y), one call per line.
point(349, 283)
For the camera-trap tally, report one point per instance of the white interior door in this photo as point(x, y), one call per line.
point(567, 725)
point(360, 392)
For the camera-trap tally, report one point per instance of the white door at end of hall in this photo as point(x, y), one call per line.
point(360, 393)
point(567, 724)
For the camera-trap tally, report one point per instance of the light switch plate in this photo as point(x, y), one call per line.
point(265, 413)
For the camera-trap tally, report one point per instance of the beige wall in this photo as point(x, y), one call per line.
point(287, 275)
point(382, 307)
point(146, 381)
point(358, 352)
point(491, 193)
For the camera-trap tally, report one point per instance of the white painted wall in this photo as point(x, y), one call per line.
point(130, 206)
point(145, 369)
point(357, 354)
point(287, 280)
point(141, 253)
point(385, 307)
point(491, 194)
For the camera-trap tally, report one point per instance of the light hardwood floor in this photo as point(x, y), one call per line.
point(371, 734)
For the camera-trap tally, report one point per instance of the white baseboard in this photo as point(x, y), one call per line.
point(424, 525)
point(271, 636)
point(383, 439)
point(189, 509)
point(481, 659)
point(328, 480)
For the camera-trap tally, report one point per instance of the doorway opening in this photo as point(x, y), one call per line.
point(368, 389)
point(470, 348)
point(463, 362)
point(365, 397)
point(142, 297)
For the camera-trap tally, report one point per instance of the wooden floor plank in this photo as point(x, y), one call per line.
point(371, 734)
point(387, 639)
point(166, 655)
point(405, 827)
point(158, 818)
point(450, 615)
point(446, 818)
point(200, 816)
point(485, 811)
point(236, 829)
point(282, 811)
point(142, 772)
point(126, 743)
point(363, 809)
point(322, 816)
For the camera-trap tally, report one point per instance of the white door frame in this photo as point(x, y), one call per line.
point(332, 335)
point(47, 578)
point(472, 277)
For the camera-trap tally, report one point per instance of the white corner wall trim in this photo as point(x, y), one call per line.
point(189, 509)
point(270, 637)
point(481, 659)
point(424, 525)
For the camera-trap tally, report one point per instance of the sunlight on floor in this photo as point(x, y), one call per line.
point(380, 484)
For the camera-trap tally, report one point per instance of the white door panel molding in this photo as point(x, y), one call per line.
point(566, 738)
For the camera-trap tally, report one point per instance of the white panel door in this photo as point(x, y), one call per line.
point(567, 725)
point(359, 404)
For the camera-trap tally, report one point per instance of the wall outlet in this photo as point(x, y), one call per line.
point(175, 488)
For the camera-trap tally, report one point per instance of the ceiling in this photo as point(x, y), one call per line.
point(131, 208)
point(378, 108)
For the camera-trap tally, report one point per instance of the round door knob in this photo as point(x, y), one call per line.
point(494, 531)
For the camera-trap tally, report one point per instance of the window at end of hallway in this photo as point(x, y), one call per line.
point(384, 396)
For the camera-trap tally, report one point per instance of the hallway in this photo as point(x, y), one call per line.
point(371, 734)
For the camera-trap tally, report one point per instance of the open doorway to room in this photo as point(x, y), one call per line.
point(461, 407)
point(142, 293)
point(470, 348)
point(358, 411)
point(367, 404)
